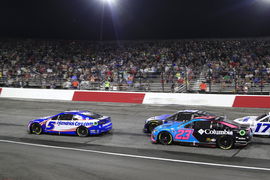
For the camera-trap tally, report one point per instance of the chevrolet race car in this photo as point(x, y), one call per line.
point(202, 131)
point(81, 123)
point(184, 115)
point(260, 125)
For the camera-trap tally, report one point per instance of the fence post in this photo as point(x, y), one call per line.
point(162, 80)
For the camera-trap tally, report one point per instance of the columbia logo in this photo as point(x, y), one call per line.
point(201, 131)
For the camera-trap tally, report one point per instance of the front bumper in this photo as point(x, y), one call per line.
point(243, 141)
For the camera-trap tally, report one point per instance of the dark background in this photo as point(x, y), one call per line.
point(134, 19)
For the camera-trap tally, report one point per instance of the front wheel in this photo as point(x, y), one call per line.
point(82, 131)
point(36, 129)
point(225, 142)
point(165, 138)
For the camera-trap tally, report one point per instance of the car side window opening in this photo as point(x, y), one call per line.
point(196, 115)
point(55, 117)
point(65, 117)
point(172, 118)
point(266, 119)
point(184, 116)
point(189, 125)
point(216, 125)
point(260, 117)
point(202, 125)
point(77, 117)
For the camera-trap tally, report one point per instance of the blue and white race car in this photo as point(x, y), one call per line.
point(260, 125)
point(81, 123)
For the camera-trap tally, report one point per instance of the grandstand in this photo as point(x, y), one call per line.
point(226, 65)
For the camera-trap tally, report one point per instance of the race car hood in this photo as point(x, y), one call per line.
point(168, 125)
point(37, 120)
point(161, 117)
point(247, 120)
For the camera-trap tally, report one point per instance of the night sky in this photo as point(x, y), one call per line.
point(134, 19)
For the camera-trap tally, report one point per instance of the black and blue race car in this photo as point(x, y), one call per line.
point(183, 115)
point(74, 122)
point(202, 131)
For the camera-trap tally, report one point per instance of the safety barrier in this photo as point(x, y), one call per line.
point(108, 97)
point(140, 98)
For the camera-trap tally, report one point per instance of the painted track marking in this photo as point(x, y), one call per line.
point(137, 156)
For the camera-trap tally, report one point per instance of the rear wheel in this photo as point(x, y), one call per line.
point(82, 131)
point(36, 128)
point(152, 126)
point(225, 142)
point(165, 138)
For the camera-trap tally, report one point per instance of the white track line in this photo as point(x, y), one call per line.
point(137, 156)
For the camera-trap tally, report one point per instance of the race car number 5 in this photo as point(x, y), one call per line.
point(259, 125)
point(183, 134)
point(50, 125)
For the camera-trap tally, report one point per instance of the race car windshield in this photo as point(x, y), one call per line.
point(260, 117)
point(92, 115)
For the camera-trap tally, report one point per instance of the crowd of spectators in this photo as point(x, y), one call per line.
point(244, 63)
point(127, 62)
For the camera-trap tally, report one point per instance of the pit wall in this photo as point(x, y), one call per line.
point(140, 98)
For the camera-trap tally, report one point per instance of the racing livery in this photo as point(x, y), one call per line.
point(202, 131)
point(184, 115)
point(81, 123)
point(260, 125)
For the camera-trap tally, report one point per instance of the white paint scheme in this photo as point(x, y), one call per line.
point(138, 157)
point(259, 126)
point(189, 99)
point(37, 93)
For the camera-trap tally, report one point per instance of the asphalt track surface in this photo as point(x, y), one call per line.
point(127, 153)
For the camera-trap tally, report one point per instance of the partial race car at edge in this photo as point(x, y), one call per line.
point(260, 125)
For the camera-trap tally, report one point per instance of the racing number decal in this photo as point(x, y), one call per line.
point(183, 134)
point(50, 125)
point(259, 125)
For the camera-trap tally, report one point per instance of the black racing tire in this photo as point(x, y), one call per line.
point(225, 142)
point(152, 126)
point(82, 131)
point(165, 138)
point(35, 128)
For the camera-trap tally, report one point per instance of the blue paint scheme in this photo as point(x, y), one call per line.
point(93, 130)
point(173, 127)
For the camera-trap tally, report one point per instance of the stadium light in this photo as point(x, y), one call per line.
point(108, 1)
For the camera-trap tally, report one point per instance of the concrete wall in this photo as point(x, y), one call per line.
point(140, 98)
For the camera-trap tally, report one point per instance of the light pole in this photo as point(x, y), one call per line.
point(110, 2)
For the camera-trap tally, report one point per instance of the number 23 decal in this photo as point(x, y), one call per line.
point(184, 134)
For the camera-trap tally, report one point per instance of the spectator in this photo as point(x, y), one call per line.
point(203, 87)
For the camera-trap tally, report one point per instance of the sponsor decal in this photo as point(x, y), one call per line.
point(68, 123)
point(241, 138)
point(107, 124)
point(242, 132)
point(210, 140)
point(215, 132)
